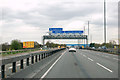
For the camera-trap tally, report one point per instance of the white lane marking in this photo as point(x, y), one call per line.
point(104, 67)
point(51, 66)
point(90, 59)
point(84, 55)
point(115, 59)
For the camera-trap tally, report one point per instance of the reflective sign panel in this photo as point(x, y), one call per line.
point(67, 32)
point(29, 44)
point(55, 29)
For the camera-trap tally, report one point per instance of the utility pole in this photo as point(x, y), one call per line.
point(104, 21)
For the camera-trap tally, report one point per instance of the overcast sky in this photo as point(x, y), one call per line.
point(29, 20)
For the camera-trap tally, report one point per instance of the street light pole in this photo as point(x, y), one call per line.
point(88, 28)
point(104, 21)
point(84, 34)
point(88, 33)
point(91, 38)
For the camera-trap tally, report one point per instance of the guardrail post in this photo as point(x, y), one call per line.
point(46, 54)
point(39, 57)
point(32, 60)
point(21, 64)
point(36, 58)
point(27, 62)
point(50, 53)
point(13, 67)
point(42, 56)
point(3, 71)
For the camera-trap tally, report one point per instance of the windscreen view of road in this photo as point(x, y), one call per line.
point(59, 39)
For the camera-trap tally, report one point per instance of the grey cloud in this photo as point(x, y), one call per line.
point(59, 12)
point(51, 14)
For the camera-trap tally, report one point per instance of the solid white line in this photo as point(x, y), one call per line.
point(51, 67)
point(90, 59)
point(104, 67)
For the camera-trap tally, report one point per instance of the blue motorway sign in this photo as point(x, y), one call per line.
point(55, 32)
point(73, 32)
point(67, 32)
point(55, 29)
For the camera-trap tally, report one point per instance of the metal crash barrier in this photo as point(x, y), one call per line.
point(35, 57)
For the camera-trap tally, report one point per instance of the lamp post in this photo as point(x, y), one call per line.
point(104, 21)
point(88, 33)
point(84, 34)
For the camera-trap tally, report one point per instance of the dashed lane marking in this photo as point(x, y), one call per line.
point(104, 67)
point(90, 59)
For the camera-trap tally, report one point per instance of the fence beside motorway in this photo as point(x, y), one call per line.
point(112, 51)
point(32, 57)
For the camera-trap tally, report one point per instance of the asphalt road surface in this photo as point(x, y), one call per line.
point(80, 64)
point(83, 64)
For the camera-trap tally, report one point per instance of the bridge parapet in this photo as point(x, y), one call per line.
point(34, 56)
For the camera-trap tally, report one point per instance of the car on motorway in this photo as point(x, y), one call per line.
point(80, 47)
point(72, 49)
point(104, 47)
point(99, 48)
point(93, 47)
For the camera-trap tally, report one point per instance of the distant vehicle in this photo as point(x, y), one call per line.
point(80, 47)
point(99, 48)
point(103, 47)
point(72, 50)
point(93, 47)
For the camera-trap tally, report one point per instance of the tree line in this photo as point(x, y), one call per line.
point(15, 45)
point(111, 44)
point(53, 45)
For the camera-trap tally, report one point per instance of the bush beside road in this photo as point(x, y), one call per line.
point(111, 51)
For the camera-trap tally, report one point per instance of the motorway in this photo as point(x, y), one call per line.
point(80, 64)
point(84, 64)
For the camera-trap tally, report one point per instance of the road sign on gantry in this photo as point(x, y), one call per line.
point(55, 29)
